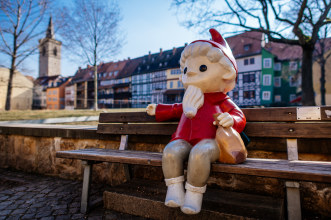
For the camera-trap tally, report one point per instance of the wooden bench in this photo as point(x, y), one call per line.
point(289, 123)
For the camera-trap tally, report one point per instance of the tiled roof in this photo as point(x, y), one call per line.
point(159, 61)
point(284, 51)
point(252, 41)
point(43, 80)
point(60, 81)
point(129, 67)
point(245, 44)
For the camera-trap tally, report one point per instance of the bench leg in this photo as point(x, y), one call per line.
point(293, 200)
point(86, 186)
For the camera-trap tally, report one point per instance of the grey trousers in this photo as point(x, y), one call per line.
point(199, 159)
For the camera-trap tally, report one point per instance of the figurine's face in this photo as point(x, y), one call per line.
point(208, 76)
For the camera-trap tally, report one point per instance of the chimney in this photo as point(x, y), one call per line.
point(149, 54)
point(173, 50)
point(185, 45)
point(129, 58)
point(263, 40)
point(161, 51)
point(79, 68)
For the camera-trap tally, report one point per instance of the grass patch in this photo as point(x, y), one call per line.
point(43, 114)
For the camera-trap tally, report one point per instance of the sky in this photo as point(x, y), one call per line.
point(148, 25)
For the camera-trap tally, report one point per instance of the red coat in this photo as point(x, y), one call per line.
point(201, 126)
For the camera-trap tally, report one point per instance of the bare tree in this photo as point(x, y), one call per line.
point(294, 22)
point(19, 31)
point(322, 54)
point(90, 31)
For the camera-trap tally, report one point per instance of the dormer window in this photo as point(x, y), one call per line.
point(160, 65)
point(247, 47)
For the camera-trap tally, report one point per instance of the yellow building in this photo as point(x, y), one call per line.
point(317, 83)
point(22, 87)
point(175, 89)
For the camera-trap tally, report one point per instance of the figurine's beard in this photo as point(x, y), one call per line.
point(192, 101)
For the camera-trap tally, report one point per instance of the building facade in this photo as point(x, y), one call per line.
point(69, 96)
point(55, 93)
point(22, 90)
point(149, 80)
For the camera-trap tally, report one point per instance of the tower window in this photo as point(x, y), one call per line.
point(55, 51)
point(44, 51)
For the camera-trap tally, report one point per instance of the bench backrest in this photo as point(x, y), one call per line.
point(261, 122)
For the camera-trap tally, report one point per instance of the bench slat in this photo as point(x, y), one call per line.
point(288, 130)
point(253, 129)
point(252, 114)
point(290, 170)
point(142, 129)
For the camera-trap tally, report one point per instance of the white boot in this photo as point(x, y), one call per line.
point(193, 199)
point(175, 192)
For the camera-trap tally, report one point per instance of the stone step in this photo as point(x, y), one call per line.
point(146, 199)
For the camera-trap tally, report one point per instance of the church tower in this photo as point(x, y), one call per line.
point(49, 53)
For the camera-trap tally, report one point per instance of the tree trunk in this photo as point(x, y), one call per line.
point(95, 87)
point(10, 84)
point(308, 97)
point(322, 81)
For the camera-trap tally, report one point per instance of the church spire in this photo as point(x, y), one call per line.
point(50, 29)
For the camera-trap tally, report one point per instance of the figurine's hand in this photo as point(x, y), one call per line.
point(225, 120)
point(192, 101)
point(150, 109)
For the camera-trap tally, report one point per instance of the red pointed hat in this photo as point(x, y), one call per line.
point(219, 42)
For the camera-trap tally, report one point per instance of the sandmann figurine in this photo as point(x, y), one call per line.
point(209, 126)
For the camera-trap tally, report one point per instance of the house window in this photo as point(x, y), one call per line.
point(179, 84)
point(249, 77)
point(277, 81)
point(247, 47)
point(278, 98)
point(235, 95)
point(249, 94)
point(44, 51)
point(267, 63)
point(245, 62)
point(293, 65)
point(266, 95)
point(251, 60)
point(278, 67)
point(175, 72)
point(267, 80)
point(171, 85)
point(293, 81)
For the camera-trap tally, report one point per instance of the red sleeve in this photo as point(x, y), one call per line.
point(238, 116)
point(167, 112)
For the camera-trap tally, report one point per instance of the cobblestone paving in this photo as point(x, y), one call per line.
point(30, 196)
